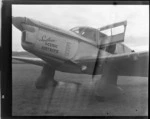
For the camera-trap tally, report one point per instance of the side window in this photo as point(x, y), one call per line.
point(101, 38)
point(111, 49)
point(75, 30)
point(85, 32)
point(90, 34)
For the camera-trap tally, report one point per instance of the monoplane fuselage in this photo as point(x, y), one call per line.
point(63, 49)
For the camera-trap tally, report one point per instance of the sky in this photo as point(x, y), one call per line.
point(96, 16)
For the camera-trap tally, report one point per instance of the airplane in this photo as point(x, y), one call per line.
point(81, 50)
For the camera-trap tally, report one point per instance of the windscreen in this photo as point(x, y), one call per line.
point(85, 32)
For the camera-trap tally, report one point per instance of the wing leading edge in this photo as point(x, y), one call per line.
point(35, 61)
point(135, 64)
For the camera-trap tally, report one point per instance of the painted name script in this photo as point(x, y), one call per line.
point(44, 39)
point(49, 44)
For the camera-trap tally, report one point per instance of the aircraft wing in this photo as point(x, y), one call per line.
point(127, 64)
point(35, 61)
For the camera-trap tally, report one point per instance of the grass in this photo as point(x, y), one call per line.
point(28, 101)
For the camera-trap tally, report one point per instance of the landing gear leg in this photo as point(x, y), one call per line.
point(46, 81)
point(46, 77)
point(107, 85)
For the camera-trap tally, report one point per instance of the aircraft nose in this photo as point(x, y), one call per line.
point(17, 22)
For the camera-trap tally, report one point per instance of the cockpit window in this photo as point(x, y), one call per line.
point(85, 32)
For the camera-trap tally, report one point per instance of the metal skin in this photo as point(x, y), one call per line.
point(66, 51)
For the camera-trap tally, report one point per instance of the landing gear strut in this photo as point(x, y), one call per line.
point(46, 78)
point(46, 81)
point(107, 85)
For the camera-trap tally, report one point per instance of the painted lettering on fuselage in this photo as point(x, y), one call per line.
point(52, 43)
point(49, 49)
point(49, 44)
point(45, 39)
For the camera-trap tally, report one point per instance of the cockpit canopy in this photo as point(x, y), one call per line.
point(88, 32)
point(105, 37)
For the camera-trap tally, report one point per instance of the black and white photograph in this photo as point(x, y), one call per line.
point(80, 60)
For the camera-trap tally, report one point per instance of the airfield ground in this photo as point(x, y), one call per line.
point(28, 101)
